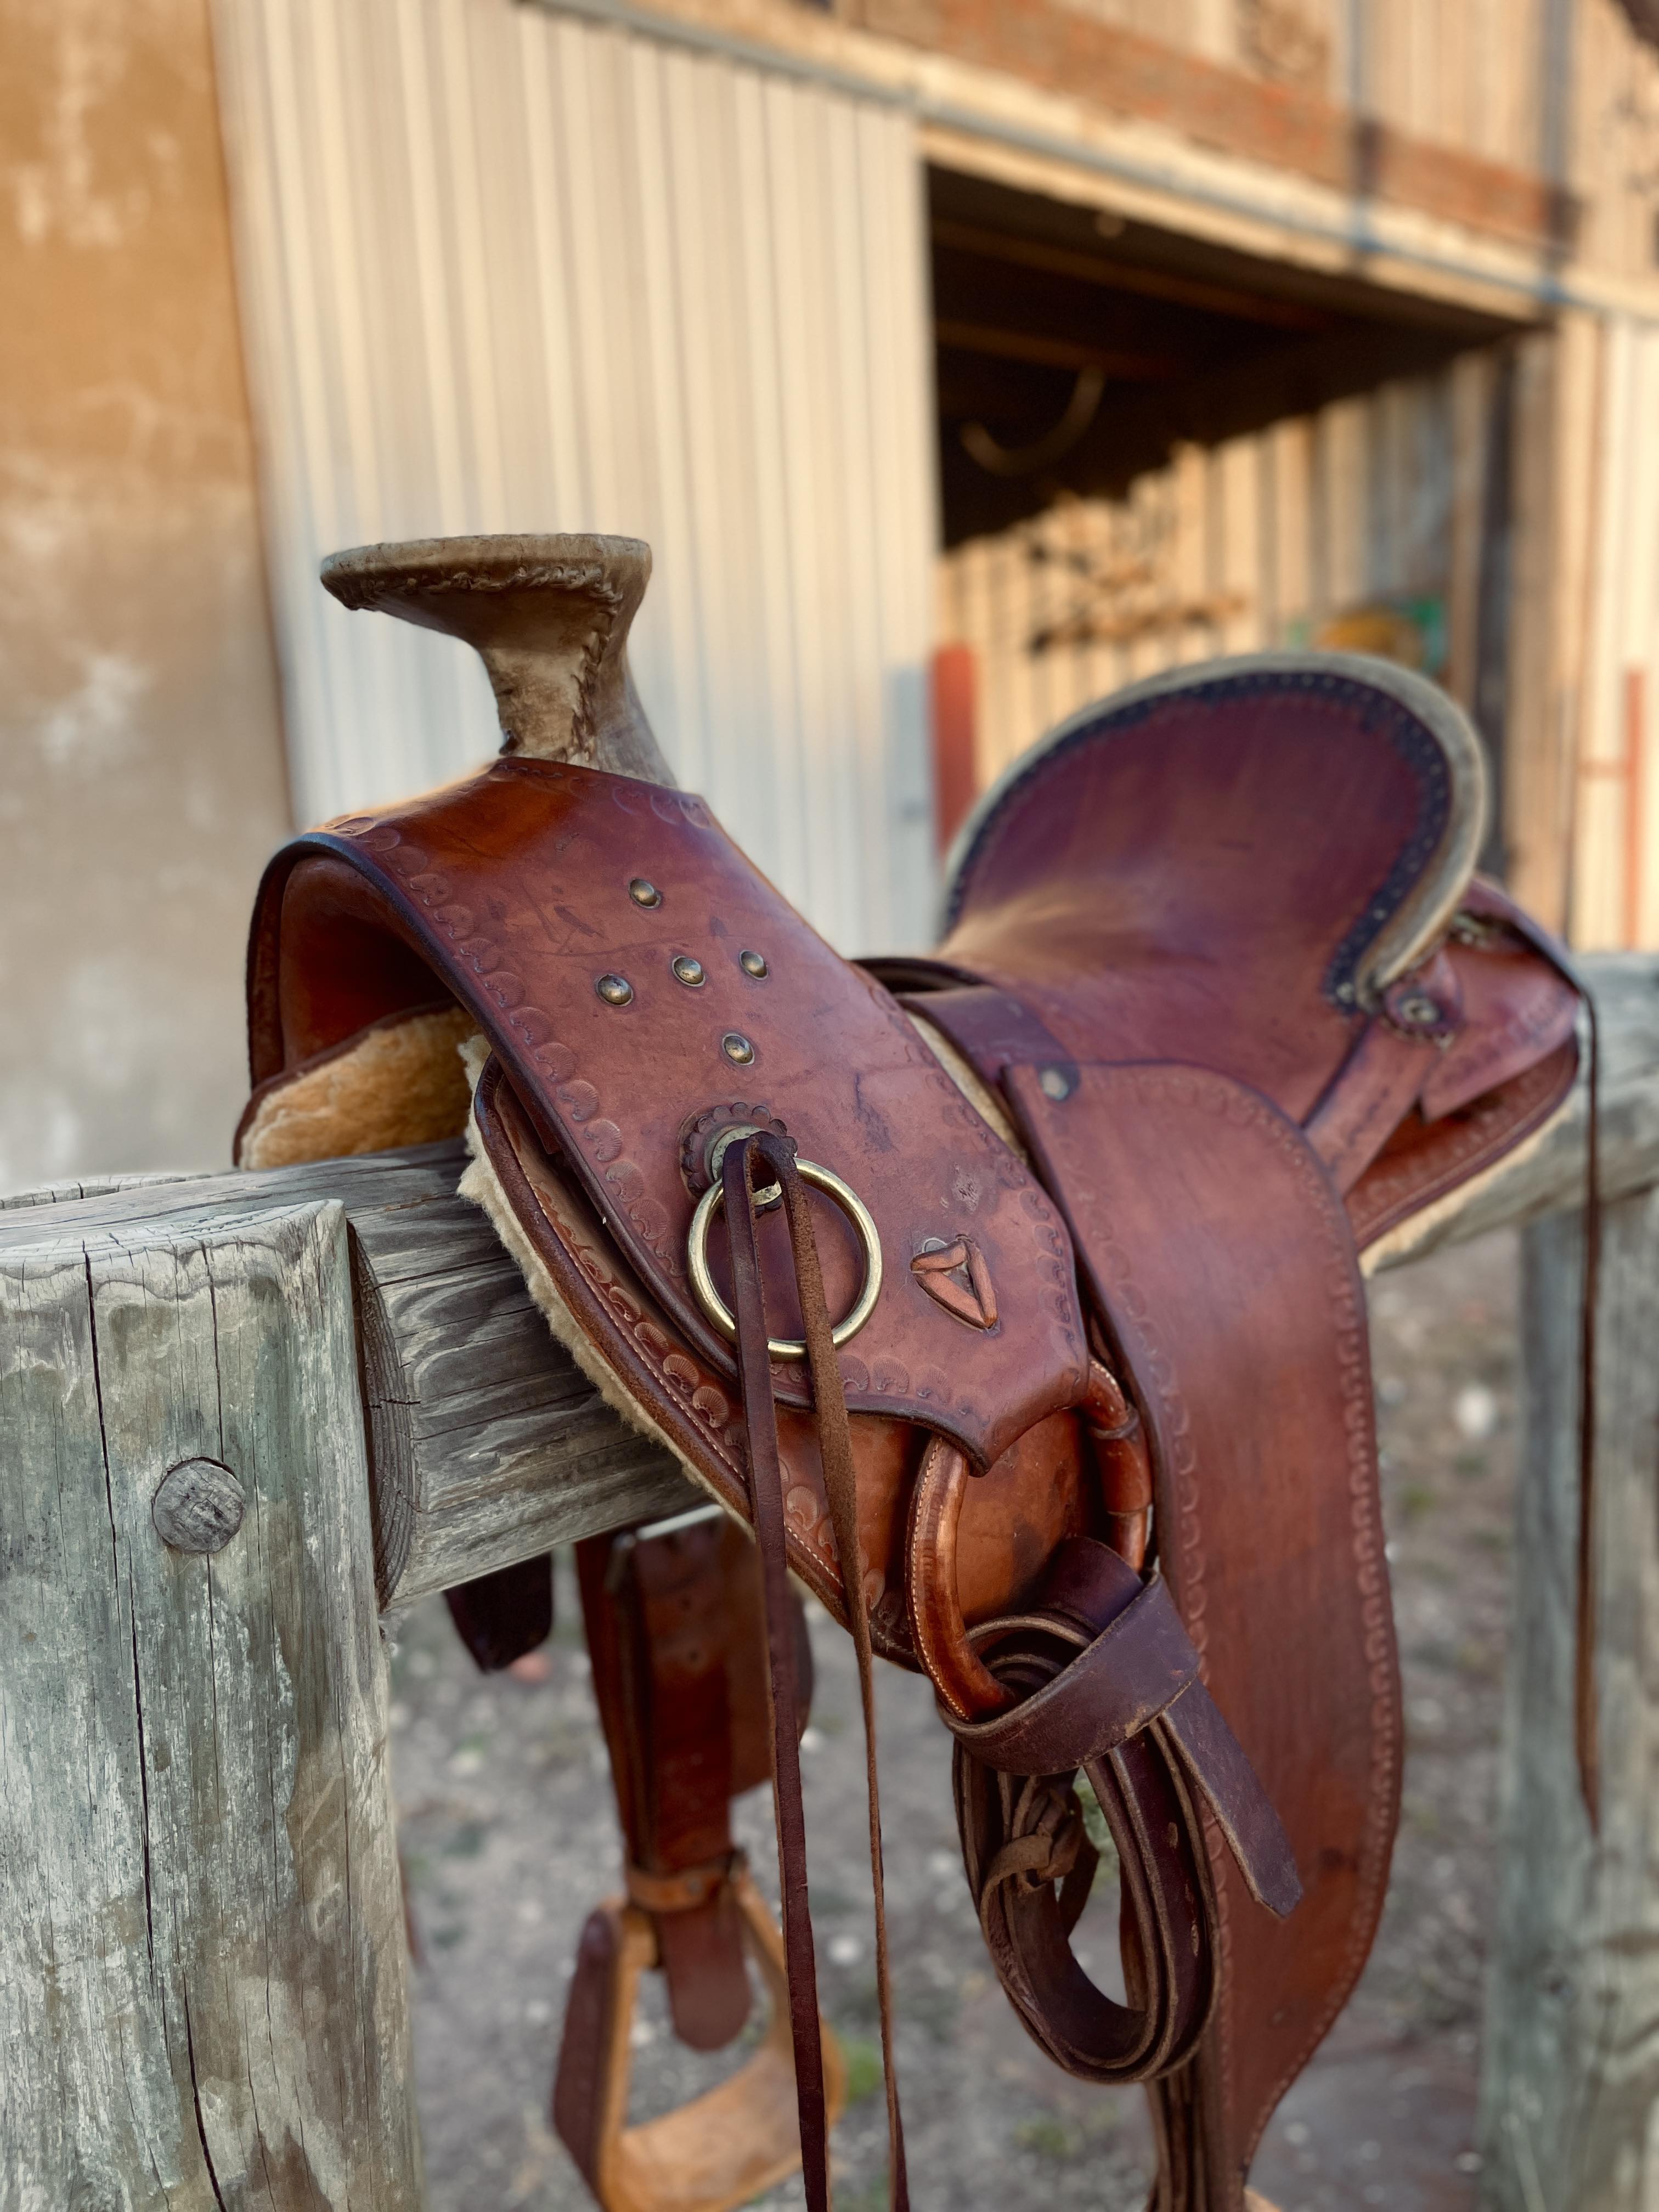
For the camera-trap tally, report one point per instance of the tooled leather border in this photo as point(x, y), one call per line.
point(695, 1407)
point(1217, 1096)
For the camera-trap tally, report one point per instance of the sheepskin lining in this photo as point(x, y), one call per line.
point(410, 1080)
point(398, 1083)
point(482, 1185)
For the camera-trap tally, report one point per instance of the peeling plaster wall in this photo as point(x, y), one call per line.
point(142, 782)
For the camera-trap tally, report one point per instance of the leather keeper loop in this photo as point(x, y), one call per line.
point(687, 1889)
point(1117, 1686)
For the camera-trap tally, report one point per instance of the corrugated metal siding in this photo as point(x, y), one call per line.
point(507, 270)
point(1616, 853)
point(1263, 541)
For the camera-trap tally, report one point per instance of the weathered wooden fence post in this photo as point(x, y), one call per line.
point(202, 1998)
point(202, 2001)
point(1570, 2116)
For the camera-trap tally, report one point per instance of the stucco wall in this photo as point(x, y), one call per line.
point(143, 780)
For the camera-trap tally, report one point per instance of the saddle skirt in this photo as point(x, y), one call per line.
point(1011, 1295)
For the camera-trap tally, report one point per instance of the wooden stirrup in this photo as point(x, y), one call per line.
point(727, 2146)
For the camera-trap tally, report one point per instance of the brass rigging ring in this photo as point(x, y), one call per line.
point(715, 1306)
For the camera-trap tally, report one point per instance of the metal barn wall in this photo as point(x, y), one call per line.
point(507, 270)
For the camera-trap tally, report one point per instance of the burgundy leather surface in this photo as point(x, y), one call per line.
point(675, 1635)
point(585, 2046)
point(1247, 1354)
point(515, 887)
point(501, 1616)
point(1518, 1009)
point(1187, 873)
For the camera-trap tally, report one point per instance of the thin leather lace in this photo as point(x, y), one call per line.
point(739, 1169)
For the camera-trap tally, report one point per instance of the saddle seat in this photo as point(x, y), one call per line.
point(1264, 868)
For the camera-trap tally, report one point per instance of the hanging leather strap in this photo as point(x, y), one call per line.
point(1489, 909)
point(664, 1648)
point(1108, 1680)
point(1586, 1713)
point(772, 1158)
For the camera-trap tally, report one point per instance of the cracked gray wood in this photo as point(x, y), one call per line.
point(1571, 2058)
point(488, 1444)
point(202, 1994)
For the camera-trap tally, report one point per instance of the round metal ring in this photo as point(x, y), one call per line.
point(715, 1306)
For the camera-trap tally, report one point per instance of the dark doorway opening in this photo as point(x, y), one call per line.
point(1076, 351)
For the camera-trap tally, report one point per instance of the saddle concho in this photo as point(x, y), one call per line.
point(1010, 1296)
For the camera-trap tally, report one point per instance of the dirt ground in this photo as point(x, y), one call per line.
point(509, 1838)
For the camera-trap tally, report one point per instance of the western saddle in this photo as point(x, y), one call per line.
point(1010, 1297)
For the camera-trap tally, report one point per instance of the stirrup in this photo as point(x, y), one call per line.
point(728, 2145)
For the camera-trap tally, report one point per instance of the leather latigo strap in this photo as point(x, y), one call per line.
point(772, 1156)
point(675, 1640)
point(1108, 1682)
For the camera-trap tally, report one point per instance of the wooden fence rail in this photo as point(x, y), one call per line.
point(239, 1414)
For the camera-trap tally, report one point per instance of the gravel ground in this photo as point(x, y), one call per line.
point(508, 1838)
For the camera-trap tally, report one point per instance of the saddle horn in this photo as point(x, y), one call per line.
point(548, 616)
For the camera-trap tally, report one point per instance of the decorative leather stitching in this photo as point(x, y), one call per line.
point(927, 1395)
point(1226, 1100)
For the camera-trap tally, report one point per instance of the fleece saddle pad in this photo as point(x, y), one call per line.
point(1009, 1296)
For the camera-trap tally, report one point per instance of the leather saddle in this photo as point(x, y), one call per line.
point(1010, 1296)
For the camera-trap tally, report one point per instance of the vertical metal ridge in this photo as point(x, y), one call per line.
point(512, 270)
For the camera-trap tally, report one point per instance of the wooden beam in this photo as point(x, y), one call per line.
point(486, 1442)
point(1120, 276)
point(1047, 352)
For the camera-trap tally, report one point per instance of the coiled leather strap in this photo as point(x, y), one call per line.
point(1107, 1682)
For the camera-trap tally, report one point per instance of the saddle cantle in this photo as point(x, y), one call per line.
point(1011, 1295)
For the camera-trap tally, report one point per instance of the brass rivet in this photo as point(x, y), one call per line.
point(644, 893)
point(614, 990)
point(687, 970)
point(752, 963)
point(737, 1049)
point(1419, 1010)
